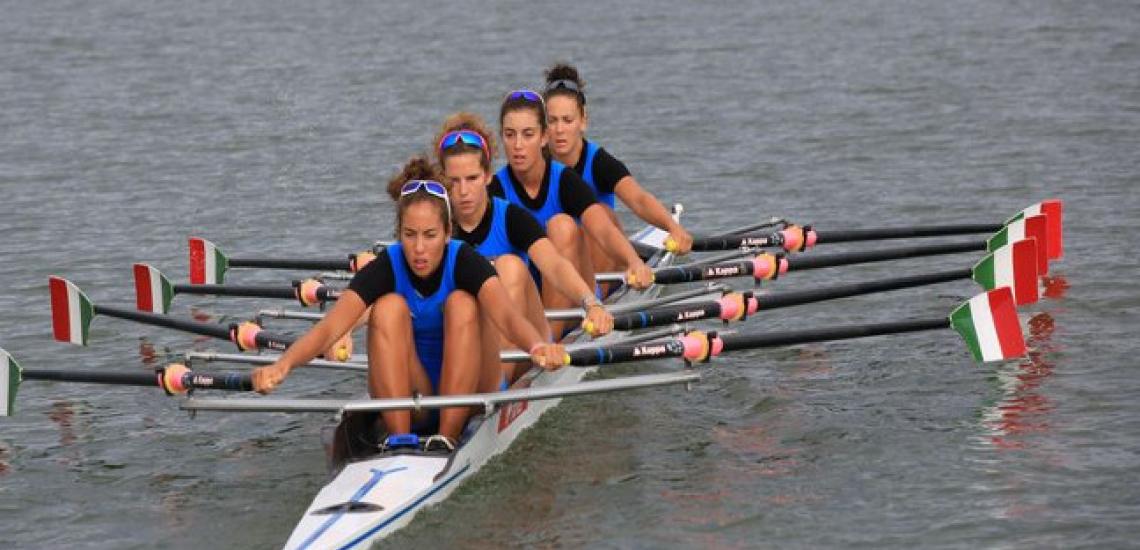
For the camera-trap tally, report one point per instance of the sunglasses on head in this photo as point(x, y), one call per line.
point(433, 188)
point(474, 139)
point(527, 95)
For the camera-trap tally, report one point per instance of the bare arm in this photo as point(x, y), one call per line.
point(339, 320)
point(559, 271)
point(494, 300)
point(645, 206)
point(596, 222)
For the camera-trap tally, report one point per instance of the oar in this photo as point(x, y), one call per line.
point(173, 379)
point(1013, 265)
point(208, 265)
point(154, 291)
point(988, 322)
point(802, 238)
point(72, 313)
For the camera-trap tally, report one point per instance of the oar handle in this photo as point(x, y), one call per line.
point(247, 336)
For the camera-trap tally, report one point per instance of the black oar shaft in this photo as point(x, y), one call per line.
point(727, 242)
point(666, 315)
point(158, 320)
point(799, 297)
point(234, 290)
point(223, 332)
point(620, 353)
point(230, 381)
point(813, 261)
point(826, 236)
point(690, 273)
point(768, 340)
point(291, 263)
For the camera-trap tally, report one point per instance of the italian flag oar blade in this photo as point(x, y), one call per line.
point(71, 311)
point(9, 383)
point(1053, 210)
point(153, 291)
point(988, 323)
point(1034, 227)
point(1013, 265)
point(207, 264)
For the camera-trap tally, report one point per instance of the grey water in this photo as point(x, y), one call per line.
point(270, 127)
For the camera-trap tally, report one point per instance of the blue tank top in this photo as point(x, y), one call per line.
point(553, 204)
point(588, 175)
point(498, 242)
point(427, 311)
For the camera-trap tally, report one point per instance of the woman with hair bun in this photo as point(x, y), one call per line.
point(558, 198)
point(427, 293)
point(609, 178)
point(505, 233)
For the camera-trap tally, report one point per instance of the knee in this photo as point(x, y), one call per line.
point(511, 269)
point(563, 232)
point(389, 314)
point(461, 310)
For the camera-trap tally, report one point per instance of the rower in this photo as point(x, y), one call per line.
point(420, 288)
point(607, 176)
point(557, 197)
point(506, 234)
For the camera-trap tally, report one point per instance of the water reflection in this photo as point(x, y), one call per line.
point(1021, 410)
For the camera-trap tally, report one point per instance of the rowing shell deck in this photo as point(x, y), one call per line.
point(373, 495)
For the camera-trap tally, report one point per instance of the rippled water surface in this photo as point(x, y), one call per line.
point(268, 127)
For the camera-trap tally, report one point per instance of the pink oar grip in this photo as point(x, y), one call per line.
point(793, 238)
point(307, 292)
point(697, 346)
point(245, 335)
point(171, 377)
point(766, 267)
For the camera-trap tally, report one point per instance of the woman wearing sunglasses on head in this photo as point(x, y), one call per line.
point(607, 176)
point(421, 288)
point(505, 233)
point(557, 197)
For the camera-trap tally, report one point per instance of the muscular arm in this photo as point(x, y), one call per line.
point(596, 221)
point(644, 205)
point(336, 323)
point(558, 270)
point(494, 300)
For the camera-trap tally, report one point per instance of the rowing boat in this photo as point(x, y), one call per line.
point(373, 494)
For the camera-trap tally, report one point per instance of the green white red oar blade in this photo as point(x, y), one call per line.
point(9, 383)
point(1033, 227)
point(989, 325)
point(1013, 265)
point(153, 291)
point(71, 311)
point(207, 264)
point(1053, 210)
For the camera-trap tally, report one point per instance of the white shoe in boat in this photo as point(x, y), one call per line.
point(439, 444)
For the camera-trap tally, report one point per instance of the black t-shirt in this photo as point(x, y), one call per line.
point(522, 229)
point(575, 195)
point(377, 278)
point(607, 170)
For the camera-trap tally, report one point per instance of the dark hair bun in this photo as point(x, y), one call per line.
point(417, 168)
point(564, 71)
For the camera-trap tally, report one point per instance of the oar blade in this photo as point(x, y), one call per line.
point(71, 311)
point(9, 383)
point(989, 325)
point(1013, 265)
point(207, 264)
point(1023, 228)
point(1053, 210)
point(153, 291)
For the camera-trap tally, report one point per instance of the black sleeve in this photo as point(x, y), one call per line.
point(471, 270)
point(495, 188)
point(375, 280)
point(608, 171)
point(575, 195)
point(522, 228)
